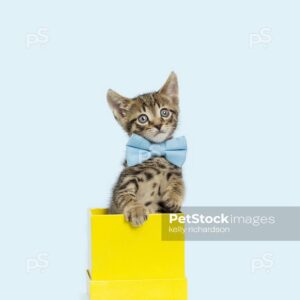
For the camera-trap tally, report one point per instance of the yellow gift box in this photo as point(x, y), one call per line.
point(134, 263)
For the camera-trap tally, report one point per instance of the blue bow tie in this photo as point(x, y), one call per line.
point(139, 149)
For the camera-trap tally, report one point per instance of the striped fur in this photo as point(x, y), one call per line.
point(154, 185)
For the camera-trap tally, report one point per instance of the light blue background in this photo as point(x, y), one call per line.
point(61, 150)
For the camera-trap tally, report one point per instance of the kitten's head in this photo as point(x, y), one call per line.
point(153, 116)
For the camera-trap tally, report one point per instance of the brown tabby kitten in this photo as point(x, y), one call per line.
point(155, 185)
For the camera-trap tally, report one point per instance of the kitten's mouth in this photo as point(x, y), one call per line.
point(159, 132)
point(158, 136)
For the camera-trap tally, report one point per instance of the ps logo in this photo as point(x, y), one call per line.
point(264, 263)
point(262, 37)
point(38, 263)
point(40, 38)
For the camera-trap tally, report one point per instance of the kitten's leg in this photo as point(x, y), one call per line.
point(173, 195)
point(125, 201)
point(136, 214)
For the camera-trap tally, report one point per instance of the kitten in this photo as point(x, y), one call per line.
point(155, 185)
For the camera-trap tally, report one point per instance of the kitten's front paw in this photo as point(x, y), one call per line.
point(136, 215)
point(170, 206)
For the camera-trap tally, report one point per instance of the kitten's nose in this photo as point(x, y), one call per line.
point(158, 126)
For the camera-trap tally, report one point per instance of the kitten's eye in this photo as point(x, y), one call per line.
point(164, 113)
point(143, 119)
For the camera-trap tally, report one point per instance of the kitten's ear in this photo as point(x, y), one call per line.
point(170, 88)
point(118, 104)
